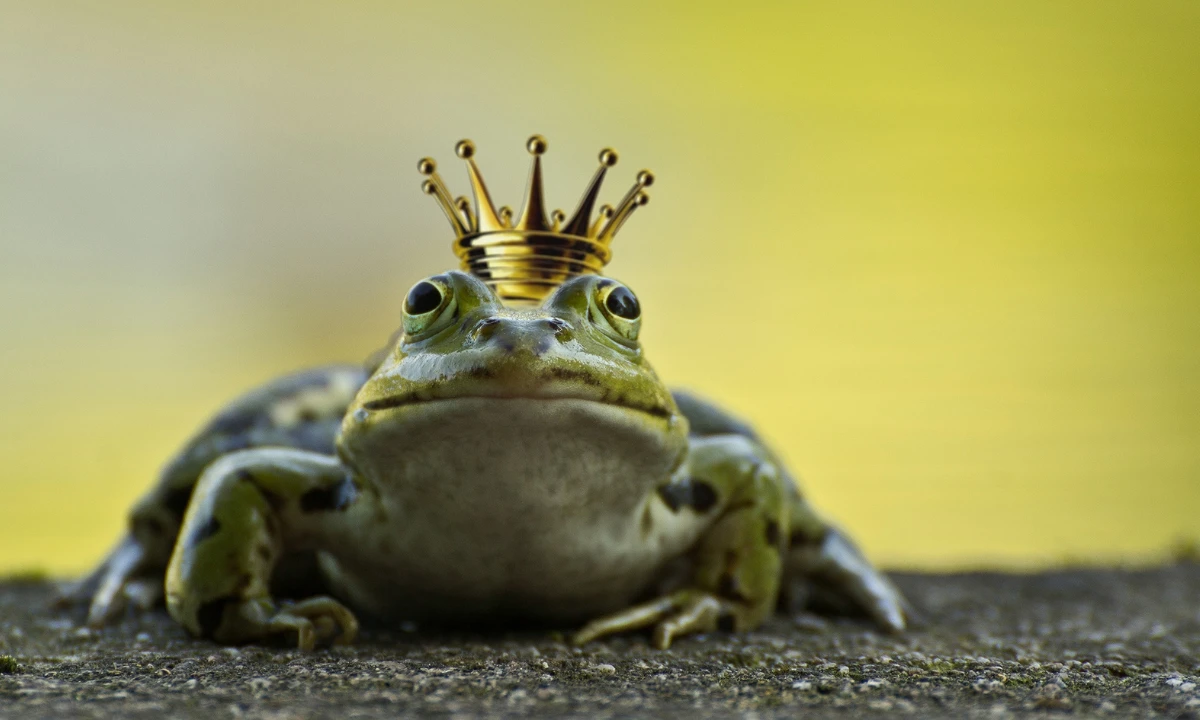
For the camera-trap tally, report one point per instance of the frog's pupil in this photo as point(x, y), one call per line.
point(623, 304)
point(423, 298)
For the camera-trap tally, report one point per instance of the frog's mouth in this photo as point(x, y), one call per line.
point(550, 393)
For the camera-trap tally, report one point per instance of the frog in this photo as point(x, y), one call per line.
point(509, 457)
point(493, 464)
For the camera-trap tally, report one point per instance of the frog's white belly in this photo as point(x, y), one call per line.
point(511, 507)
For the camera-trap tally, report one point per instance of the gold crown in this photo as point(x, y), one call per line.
point(525, 261)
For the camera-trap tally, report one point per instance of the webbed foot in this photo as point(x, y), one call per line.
point(674, 615)
point(315, 621)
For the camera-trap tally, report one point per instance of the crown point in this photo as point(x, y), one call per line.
point(426, 166)
point(645, 178)
point(429, 188)
point(536, 145)
point(464, 149)
point(606, 211)
point(642, 198)
point(608, 157)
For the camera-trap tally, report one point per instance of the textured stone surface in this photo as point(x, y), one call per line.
point(1082, 642)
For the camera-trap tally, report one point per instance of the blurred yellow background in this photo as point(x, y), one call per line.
point(944, 254)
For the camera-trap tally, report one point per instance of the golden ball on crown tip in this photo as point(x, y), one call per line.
point(645, 178)
point(608, 157)
point(426, 166)
point(464, 149)
point(428, 187)
point(536, 145)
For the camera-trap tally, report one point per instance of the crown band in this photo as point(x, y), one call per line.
point(524, 261)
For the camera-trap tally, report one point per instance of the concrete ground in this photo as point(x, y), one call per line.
point(1077, 642)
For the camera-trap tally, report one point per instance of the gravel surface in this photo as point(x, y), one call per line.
point(1080, 642)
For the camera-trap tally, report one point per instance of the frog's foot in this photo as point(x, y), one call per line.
point(124, 578)
point(315, 621)
point(736, 565)
point(674, 615)
point(841, 576)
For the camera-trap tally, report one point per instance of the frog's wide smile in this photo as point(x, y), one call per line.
point(608, 398)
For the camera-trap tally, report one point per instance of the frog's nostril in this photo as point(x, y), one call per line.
point(485, 329)
point(561, 328)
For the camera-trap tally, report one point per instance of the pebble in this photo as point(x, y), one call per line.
point(604, 669)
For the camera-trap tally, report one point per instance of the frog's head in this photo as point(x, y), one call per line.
point(460, 344)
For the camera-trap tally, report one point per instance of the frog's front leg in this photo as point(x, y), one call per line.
point(737, 565)
point(249, 509)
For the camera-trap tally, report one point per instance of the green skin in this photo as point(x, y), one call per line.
point(494, 465)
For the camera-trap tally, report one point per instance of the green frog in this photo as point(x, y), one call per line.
point(498, 462)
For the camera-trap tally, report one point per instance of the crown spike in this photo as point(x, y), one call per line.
point(464, 208)
point(578, 224)
point(484, 208)
point(632, 199)
point(615, 224)
point(437, 188)
point(533, 216)
point(606, 213)
point(556, 219)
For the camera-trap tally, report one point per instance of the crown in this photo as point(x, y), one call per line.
point(526, 260)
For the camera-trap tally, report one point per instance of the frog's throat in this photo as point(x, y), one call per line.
point(424, 399)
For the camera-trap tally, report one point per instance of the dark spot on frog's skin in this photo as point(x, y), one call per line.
point(329, 499)
point(704, 497)
point(688, 492)
point(799, 537)
point(726, 622)
point(211, 527)
point(177, 499)
point(210, 615)
point(153, 525)
point(729, 587)
point(772, 534)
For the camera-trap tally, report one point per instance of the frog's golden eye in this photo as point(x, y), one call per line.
point(428, 306)
point(619, 310)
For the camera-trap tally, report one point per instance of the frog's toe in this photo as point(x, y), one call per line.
point(315, 621)
point(113, 585)
point(331, 622)
point(672, 616)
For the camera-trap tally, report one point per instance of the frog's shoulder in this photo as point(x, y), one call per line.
point(705, 418)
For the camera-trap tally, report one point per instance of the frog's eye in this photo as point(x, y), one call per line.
point(622, 303)
point(428, 307)
point(619, 310)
